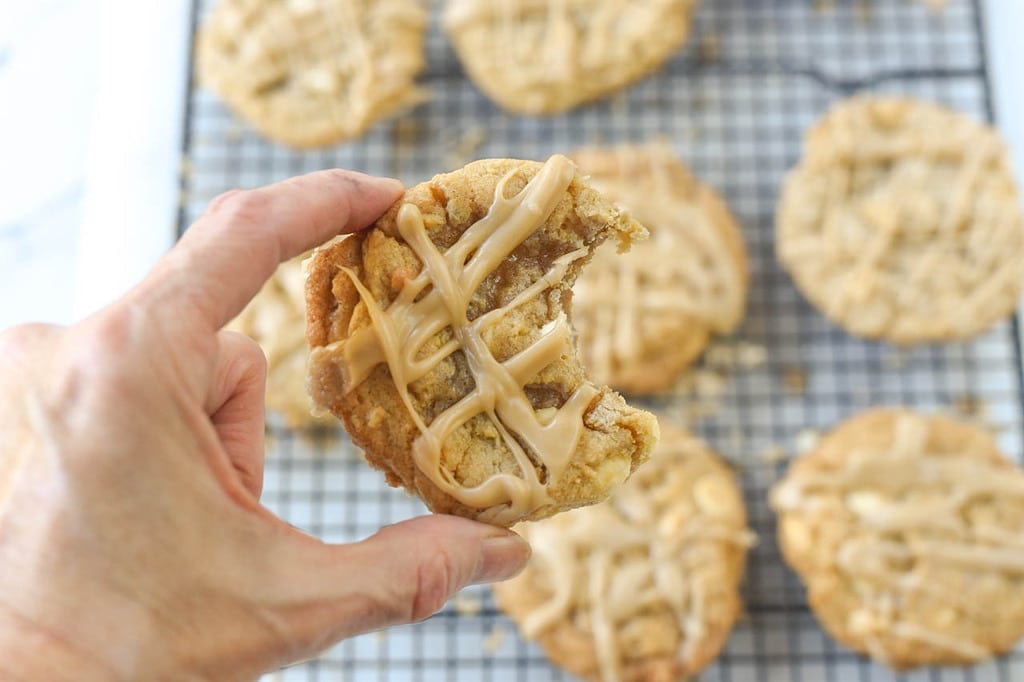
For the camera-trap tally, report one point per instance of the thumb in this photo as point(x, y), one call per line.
point(403, 573)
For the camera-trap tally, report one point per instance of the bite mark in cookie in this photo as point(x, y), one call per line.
point(460, 320)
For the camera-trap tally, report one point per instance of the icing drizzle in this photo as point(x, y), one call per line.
point(657, 544)
point(684, 270)
point(911, 507)
point(437, 299)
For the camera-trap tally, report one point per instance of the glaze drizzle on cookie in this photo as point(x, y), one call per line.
point(660, 544)
point(436, 299)
point(685, 270)
point(915, 513)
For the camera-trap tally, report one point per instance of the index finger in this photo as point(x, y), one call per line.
point(235, 246)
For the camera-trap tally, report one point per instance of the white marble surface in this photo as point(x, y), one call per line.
point(47, 92)
point(90, 97)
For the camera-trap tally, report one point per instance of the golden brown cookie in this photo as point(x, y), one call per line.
point(311, 73)
point(440, 338)
point(548, 56)
point(276, 320)
point(643, 317)
point(902, 221)
point(908, 531)
point(645, 586)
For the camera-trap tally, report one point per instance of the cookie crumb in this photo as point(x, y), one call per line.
point(494, 640)
point(806, 440)
point(970, 405)
point(710, 46)
point(467, 604)
point(407, 133)
point(234, 131)
point(740, 354)
point(794, 380)
point(737, 442)
point(773, 454)
point(865, 12)
point(896, 359)
point(466, 147)
point(701, 392)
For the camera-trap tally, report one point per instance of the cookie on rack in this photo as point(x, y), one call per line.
point(310, 73)
point(548, 56)
point(644, 316)
point(908, 531)
point(644, 586)
point(440, 338)
point(276, 320)
point(902, 221)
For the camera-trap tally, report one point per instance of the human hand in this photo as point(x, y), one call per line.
point(132, 541)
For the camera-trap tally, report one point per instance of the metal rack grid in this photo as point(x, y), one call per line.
point(734, 103)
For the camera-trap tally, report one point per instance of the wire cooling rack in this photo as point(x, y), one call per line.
point(734, 104)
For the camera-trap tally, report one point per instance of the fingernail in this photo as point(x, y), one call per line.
point(501, 557)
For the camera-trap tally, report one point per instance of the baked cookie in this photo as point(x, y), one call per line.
point(311, 73)
point(548, 56)
point(440, 338)
point(276, 320)
point(902, 221)
point(644, 316)
point(646, 585)
point(908, 531)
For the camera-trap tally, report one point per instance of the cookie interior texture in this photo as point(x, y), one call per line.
point(903, 222)
point(275, 319)
point(311, 73)
point(644, 316)
point(511, 428)
point(644, 586)
point(906, 529)
point(541, 57)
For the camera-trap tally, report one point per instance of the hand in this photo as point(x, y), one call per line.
point(132, 541)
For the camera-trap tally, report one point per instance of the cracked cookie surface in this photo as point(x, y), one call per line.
point(902, 221)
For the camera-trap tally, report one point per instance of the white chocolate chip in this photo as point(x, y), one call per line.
point(322, 80)
point(715, 496)
point(865, 503)
point(863, 622)
point(302, 7)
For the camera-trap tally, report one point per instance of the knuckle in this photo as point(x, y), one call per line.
point(111, 334)
point(435, 581)
point(25, 337)
point(247, 355)
point(240, 207)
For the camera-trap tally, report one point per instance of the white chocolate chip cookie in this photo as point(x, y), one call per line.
point(311, 73)
point(644, 586)
point(548, 56)
point(908, 531)
point(903, 222)
point(441, 339)
point(276, 320)
point(644, 316)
